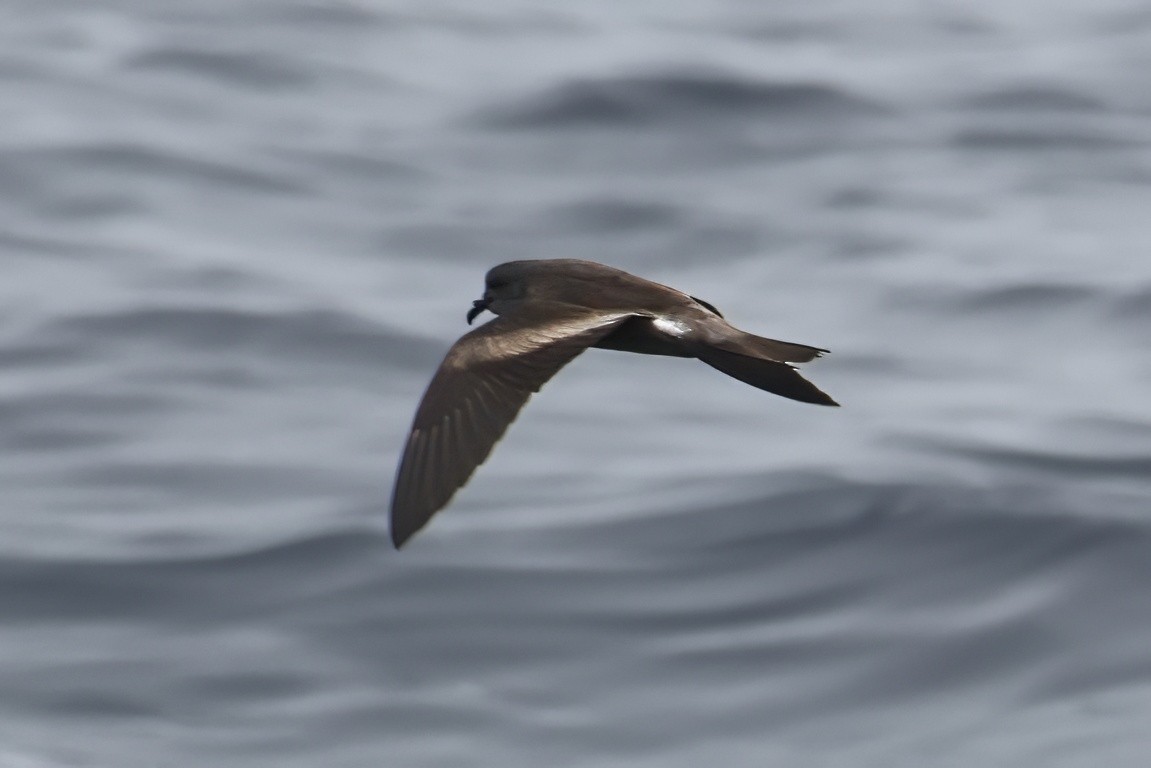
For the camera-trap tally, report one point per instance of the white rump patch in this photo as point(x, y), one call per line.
point(671, 327)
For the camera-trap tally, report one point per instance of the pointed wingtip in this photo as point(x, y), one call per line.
point(400, 533)
point(819, 397)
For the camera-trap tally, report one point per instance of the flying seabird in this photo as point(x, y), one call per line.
point(548, 311)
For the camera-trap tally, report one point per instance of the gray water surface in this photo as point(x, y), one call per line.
point(237, 237)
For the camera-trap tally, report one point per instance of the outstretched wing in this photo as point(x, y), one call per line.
point(480, 387)
point(769, 375)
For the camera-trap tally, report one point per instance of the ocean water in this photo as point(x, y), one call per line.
point(237, 237)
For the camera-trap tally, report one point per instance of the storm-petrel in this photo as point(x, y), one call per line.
point(548, 312)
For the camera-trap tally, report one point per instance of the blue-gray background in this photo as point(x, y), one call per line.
point(236, 236)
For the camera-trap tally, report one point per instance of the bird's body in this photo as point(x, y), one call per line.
point(548, 312)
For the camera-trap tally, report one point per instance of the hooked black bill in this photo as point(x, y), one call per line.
point(478, 306)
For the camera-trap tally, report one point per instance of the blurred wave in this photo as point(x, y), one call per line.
point(238, 238)
point(320, 335)
point(677, 98)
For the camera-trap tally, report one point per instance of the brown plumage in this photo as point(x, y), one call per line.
point(548, 312)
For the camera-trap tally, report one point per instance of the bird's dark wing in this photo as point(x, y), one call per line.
point(769, 375)
point(480, 387)
point(760, 362)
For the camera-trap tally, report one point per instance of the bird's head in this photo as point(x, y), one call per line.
point(503, 287)
point(541, 281)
